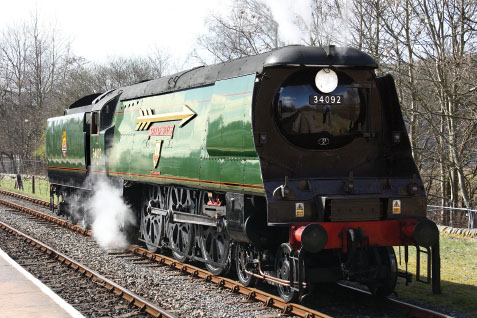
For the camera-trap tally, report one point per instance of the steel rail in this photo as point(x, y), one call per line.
point(27, 198)
point(251, 293)
point(48, 217)
point(130, 297)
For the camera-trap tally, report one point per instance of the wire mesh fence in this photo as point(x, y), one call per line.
point(451, 216)
point(27, 176)
point(32, 167)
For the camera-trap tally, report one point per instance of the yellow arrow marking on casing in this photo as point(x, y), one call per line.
point(147, 117)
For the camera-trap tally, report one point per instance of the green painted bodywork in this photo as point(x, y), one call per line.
point(213, 150)
point(98, 160)
point(74, 158)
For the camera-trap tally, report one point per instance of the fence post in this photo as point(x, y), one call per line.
point(471, 219)
point(19, 183)
point(33, 184)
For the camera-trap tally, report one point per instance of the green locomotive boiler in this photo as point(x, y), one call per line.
point(292, 166)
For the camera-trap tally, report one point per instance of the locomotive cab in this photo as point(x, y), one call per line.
point(101, 131)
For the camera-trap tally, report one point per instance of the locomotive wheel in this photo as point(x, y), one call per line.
point(152, 226)
point(181, 235)
point(242, 255)
point(387, 278)
point(215, 247)
point(285, 270)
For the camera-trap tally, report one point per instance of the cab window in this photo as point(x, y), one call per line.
point(107, 113)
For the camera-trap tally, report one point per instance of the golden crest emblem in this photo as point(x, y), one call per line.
point(157, 153)
point(63, 144)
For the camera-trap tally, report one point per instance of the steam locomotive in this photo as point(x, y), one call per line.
point(292, 166)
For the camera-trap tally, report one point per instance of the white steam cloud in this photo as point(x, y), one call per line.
point(110, 214)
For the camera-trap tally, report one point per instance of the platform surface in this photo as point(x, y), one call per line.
point(22, 295)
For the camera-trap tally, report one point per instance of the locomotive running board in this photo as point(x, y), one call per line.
point(183, 217)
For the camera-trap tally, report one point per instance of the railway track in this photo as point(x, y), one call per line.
point(92, 294)
point(252, 294)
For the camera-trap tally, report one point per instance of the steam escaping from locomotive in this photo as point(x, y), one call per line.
point(110, 215)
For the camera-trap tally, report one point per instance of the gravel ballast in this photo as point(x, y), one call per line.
point(177, 293)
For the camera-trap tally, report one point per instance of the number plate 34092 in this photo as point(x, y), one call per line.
point(326, 99)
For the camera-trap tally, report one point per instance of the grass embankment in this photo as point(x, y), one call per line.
point(42, 187)
point(458, 277)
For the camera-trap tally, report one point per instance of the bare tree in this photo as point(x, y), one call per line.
point(31, 60)
point(433, 57)
point(249, 29)
point(120, 71)
point(87, 78)
point(328, 23)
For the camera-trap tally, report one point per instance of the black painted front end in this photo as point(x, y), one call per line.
point(356, 180)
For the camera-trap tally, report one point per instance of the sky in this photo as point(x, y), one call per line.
point(101, 29)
